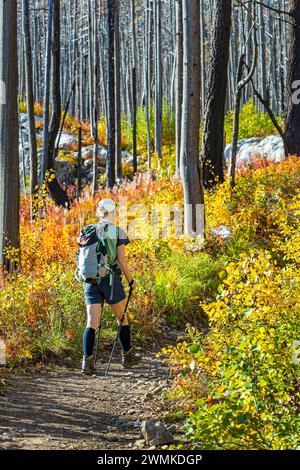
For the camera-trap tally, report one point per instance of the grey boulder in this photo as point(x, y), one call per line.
point(156, 434)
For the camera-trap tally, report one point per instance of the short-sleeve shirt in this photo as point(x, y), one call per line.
point(122, 238)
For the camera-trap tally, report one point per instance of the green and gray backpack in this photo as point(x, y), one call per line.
point(97, 253)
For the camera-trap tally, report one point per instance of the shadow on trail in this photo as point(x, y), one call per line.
point(62, 408)
point(38, 412)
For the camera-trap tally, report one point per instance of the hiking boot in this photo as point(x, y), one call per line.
point(130, 358)
point(88, 366)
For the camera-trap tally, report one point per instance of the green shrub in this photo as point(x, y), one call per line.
point(251, 357)
point(181, 282)
point(252, 123)
point(168, 123)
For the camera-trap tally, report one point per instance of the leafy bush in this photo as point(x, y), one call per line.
point(43, 311)
point(168, 123)
point(238, 382)
point(41, 315)
point(252, 123)
point(250, 356)
point(181, 281)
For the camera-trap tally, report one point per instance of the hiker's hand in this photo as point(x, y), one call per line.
point(133, 285)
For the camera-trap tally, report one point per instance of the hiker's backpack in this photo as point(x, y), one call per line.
point(97, 253)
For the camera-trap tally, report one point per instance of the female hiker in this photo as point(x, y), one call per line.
point(109, 288)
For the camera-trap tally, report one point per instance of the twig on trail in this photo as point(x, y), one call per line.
point(155, 339)
point(149, 408)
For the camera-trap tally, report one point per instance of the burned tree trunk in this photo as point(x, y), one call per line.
point(9, 131)
point(213, 133)
point(179, 80)
point(55, 85)
point(292, 144)
point(111, 108)
point(30, 103)
point(134, 89)
point(52, 90)
point(191, 173)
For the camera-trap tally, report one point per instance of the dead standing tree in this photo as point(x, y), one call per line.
point(9, 129)
point(179, 80)
point(52, 91)
point(191, 172)
point(118, 94)
point(30, 104)
point(134, 88)
point(111, 107)
point(158, 79)
point(213, 132)
point(292, 134)
point(93, 86)
point(240, 84)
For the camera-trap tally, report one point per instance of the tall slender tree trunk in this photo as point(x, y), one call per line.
point(292, 133)
point(248, 53)
point(240, 85)
point(44, 160)
point(203, 58)
point(95, 100)
point(55, 94)
point(111, 109)
point(22, 84)
point(52, 91)
point(74, 55)
point(58, 194)
point(179, 80)
point(158, 80)
point(9, 131)
point(283, 89)
point(134, 88)
point(262, 51)
point(191, 173)
point(213, 132)
point(91, 61)
point(30, 103)
point(92, 97)
point(79, 161)
point(118, 93)
point(236, 121)
point(36, 54)
point(148, 24)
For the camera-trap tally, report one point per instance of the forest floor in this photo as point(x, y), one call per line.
point(60, 408)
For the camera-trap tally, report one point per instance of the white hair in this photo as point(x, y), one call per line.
point(101, 213)
point(105, 207)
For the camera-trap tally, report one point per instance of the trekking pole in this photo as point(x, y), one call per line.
point(118, 334)
point(99, 330)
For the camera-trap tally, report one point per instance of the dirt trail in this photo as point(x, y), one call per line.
point(62, 409)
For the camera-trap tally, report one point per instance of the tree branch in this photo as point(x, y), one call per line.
point(247, 79)
point(266, 104)
point(277, 10)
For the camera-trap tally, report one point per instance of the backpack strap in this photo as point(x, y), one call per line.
point(102, 245)
point(103, 249)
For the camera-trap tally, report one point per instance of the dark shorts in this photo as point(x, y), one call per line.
point(97, 293)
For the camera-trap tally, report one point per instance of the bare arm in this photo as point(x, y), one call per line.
point(124, 265)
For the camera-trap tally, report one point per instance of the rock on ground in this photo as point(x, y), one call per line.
point(156, 433)
point(65, 171)
point(271, 148)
